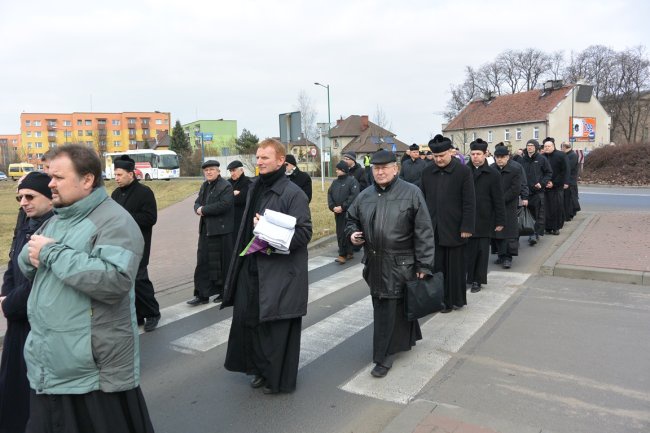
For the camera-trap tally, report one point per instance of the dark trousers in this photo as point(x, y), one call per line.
point(477, 255)
point(536, 207)
point(507, 248)
point(554, 208)
point(571, 204)
point(451, 262)
point(211, 265)
point(145, 299)
point(345, 247)
point(393, 333)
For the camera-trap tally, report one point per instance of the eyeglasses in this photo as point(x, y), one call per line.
point(28, 197)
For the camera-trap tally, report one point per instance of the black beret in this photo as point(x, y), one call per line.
point(428, 152)
point(350, 155)
point(414, 147)
point(291, 160)
point(533, 142)
point(551, 139)
point(125, 163)
point(382, 157)
point(501, 151)
point(234, 164)
point(210, 163)
point(343, 166)
point(439, 144)
point(38, 182)
point(478, 144)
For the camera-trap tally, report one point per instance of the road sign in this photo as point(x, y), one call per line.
point(313, 151)
point(326, 157)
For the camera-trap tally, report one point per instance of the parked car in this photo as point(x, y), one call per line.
point(3, 176)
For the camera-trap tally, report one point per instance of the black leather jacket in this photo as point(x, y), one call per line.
point(398, 233)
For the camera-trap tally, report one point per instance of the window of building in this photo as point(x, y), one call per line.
point(131, 120)
point(51, 123)
point(89, 133)
point(536, 133)
point(28, 123)
point(132, 142)
point(28, 133)
point(473, 136)
point(89, 143)
point(117, 132)
point(67, 123)
point(79, 122)
point(80, 133)
point(101, 121)
point(158, 121)
point(39, 155)
point(117, 143)
point(489, 138)
point(518, 134)
point(88, 122)
point(38, 134)
point(37, 123)
point(506, 135)
point(51, 134)
point(38, 144)
point(67, 133)
point(115, 122)
point(29, 145)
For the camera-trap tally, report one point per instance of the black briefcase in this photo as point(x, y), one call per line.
point(424, 296)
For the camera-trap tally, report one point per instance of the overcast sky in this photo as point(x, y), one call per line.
point(249, 60)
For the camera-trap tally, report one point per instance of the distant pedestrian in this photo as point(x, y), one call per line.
point(392, 222)
point(538, 173)
point(571, 198)
point(429, 158)
point(268, 291)
point(82, 353)
point(240, 184)
point(554, 194)
point(490, 213)
point(35, 198)
point(356, 170)
point(412, 167)
point(297, 176)
point(140, 202)
point(214, 205)
point(340, 195)
point(449, 193)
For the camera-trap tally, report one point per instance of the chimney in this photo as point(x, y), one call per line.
point(364, 122)
point(339, 121)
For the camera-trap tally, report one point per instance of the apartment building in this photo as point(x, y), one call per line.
point(9, 149)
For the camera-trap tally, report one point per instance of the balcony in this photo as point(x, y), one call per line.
point(51, 127)
point(102, 132)
point(101, 126)
point(51, 138)
point(146, 133)
point(131, 133)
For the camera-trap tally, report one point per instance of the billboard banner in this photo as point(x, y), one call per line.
point(582, 128)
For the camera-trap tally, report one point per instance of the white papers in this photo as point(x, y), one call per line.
point(276, 228)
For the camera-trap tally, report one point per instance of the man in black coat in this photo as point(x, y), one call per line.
point(571, 202)
point(391, 220)
point(490, 213)
point(412, 167)
point(214, 205)
point(538, 173)
point(449, 193)
point(356, 170)
point(340, 196)
point(269, 290)
point(240, 184)
point(297, 176)
point(140, 202)
point(554, 195)
point(35, 198)
point(507, 240)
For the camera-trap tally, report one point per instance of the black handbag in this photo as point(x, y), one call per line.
point(525, 221)
point(424, 296)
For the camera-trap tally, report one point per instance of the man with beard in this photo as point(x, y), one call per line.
point(571, 202)
point(356, 170)
point(35, 198)
point(507, 240)
point(297, 176)
point(139, 201)
point(82, 353)
point(340, 196)
point(214, 205)
point(267, 289)
point(412, 167)
point(449, 193)
point(538, 173)
point(490, 213)
point(240, 184)
point(554, 196)
point(392, 222)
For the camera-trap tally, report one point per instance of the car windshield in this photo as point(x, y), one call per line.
point(26, 169)
point(168, 162)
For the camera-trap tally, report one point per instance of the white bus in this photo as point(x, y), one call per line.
point(149, 164)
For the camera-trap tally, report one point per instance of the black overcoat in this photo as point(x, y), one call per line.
point(303, 180)
point(242, 184)
point(283, 284)
point(449, 194)
point(359, 174)
point(398, 233)
point(559, 167)
point(412, 171)
point(490, 207)
point(140, 202)
point(218, 210)
point(572, 161)
point(511, 186)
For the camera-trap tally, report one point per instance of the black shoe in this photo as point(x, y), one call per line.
point(555, 232)
point(151, 323)
point(267, 390)
point(476, 287)
point(198, 301)
point(446, 310)
point(507, 264)
point(458, 307)
point(257, 381)
point(379, 371)
point(218, 299)
point(498, 261)
point(532, 241)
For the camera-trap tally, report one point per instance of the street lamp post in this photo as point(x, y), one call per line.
point(329, 125)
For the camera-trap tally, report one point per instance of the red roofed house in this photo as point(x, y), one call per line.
point(564, 112)
point(357, 134)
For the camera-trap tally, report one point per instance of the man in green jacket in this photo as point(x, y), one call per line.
point(82, 351)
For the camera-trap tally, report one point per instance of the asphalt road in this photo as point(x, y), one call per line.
point(604, 199)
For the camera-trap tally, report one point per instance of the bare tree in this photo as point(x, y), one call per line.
point(490, 78)
point(308, 116)
point(509, 65)
point(556, 65)
point(380, 119)
point(532, 64)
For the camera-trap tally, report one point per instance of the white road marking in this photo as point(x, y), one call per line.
point(443, 335)
point(214, 335)
point(319, 261)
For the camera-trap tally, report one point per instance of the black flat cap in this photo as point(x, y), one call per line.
point(234, 164)
point(382, 157)
point(478, 144)
point(125, 163)
point(210, 163)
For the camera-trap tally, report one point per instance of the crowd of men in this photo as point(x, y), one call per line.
point(77, 284)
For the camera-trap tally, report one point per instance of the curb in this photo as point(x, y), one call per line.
point(624, 276)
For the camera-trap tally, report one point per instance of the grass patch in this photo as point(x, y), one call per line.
point(167, 193)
